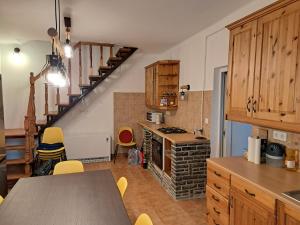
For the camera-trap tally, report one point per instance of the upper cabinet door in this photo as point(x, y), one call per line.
point(241, 72)
point(277, 75)
point(149, 80)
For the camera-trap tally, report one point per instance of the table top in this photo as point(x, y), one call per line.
point(89, 198)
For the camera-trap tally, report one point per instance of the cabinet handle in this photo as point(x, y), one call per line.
point(254, 106)
point(217, 186)
point(248, 104)
point(215, 222)
point(249, 193)
point(217, 174)
point(216, 211)
point(215, 198)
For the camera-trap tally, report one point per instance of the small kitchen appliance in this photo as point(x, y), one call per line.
point(155, 117)
point(275, 155)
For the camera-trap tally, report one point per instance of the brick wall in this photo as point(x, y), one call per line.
point(188, 168)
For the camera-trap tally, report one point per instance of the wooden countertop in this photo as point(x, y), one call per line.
point(185, 138)
point(272, 180)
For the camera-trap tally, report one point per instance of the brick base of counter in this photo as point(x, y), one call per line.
point(188, 168)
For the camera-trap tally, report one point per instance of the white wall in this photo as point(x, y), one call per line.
point(208, 49)
point(16, 78)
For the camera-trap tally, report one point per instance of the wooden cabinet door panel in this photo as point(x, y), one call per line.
point(277, 76)
point(149, 86)
point(287, 215)
point(244, 211)
point(241, 71)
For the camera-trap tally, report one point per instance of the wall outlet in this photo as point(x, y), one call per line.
point(206, 120)
point(279, 135)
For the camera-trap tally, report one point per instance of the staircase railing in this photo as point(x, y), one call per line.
point(30, 120)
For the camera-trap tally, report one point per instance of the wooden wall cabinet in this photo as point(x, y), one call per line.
point(162, 85)
point(263, 72)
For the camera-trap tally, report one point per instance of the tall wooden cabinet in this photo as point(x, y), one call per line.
point(162, 84)
point(263, 72)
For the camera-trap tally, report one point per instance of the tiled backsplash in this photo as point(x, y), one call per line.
point(293, 139)
point(129, 108)
point(188, 114)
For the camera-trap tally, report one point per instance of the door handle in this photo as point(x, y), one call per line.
point(217, 186)
point(248, 104)
point(216, 211)
point(249, 193)
point(215, 198)
point(254, 106)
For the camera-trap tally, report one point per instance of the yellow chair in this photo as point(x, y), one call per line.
point(125, 139)
point(52, 135)
point(65, 167)
point(122, 185)
point(143, 219)
point(1, 200)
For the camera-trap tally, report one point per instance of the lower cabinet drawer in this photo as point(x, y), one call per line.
point(214, 198)
point(253, 192)
point(211, 221)
point(218, 184)
point(217, 215)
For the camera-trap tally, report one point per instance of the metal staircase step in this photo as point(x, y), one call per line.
point(113, 60)
point(123, 51)
point(94, 77)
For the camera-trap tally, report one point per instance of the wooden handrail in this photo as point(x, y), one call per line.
point(46, 99)
point(80, 43)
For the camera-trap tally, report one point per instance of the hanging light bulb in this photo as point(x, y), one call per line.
point(68, 50)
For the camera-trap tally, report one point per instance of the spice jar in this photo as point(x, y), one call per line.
point(290, 159)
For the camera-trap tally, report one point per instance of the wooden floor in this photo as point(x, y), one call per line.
point(144, 194)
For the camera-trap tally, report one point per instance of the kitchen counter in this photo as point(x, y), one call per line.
point(183, 138)
point(272, 180)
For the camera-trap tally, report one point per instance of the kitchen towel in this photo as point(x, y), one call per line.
point(251, 143)
point(257, 150)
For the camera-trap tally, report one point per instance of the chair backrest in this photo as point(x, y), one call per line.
point(53, 135)
point(125, 135)
point(71, 166)
point(1, 199)
point(122, 185)
point(143, 219)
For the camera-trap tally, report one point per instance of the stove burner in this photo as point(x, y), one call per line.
point(171, 130)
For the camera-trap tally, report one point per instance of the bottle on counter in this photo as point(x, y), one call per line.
point(290, 159)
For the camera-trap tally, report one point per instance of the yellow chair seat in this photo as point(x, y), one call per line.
point(143, 219)
point(57, 154)
point(65, 167)
point(127, 144)
point(1, 199)
point(122, 185)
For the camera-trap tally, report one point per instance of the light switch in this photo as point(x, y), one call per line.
point(279, 135)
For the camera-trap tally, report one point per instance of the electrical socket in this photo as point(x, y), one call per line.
point(279, 135)
point(206, 120)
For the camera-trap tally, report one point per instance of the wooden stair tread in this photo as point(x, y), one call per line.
point(74, 95)
point(104, 68)
point(114, 58)
point(94, 77)
point(17, 176)
point(64, 104)
point(123, 51)
point(14, 147)
point(18, 132)
point(84, 86)
point(52, 113)
point(15, 161)
point(41, 122)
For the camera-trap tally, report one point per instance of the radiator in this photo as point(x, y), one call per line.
point(88, 145)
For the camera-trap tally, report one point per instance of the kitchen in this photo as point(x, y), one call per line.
point(246, 102)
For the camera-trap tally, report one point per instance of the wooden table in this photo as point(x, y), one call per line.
point(89, 198)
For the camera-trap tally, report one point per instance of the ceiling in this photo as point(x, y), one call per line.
point(152, 25)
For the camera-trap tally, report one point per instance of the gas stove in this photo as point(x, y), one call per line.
point(171, 130)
